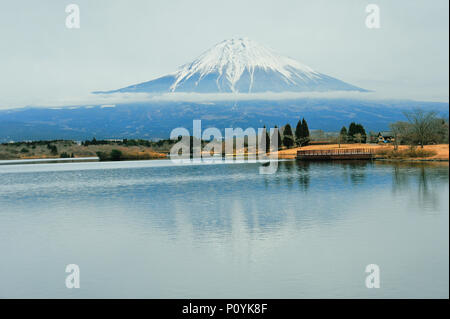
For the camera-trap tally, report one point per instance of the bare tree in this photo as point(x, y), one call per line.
point(423, 125)
point(401, 132)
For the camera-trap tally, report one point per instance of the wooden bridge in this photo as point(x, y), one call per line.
point(336, 154)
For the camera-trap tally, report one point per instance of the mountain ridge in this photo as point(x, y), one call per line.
point(157, 119)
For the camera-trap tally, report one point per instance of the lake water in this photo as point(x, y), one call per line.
point(153, 230)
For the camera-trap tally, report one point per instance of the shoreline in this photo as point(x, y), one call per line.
point(71, 150)
point(101, 153)
point(48, 160)
point(411, 160)
point(439, 152)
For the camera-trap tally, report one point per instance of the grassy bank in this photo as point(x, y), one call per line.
point(135, 151)
point(438, 152)
point(409, 153)
point(67, 149)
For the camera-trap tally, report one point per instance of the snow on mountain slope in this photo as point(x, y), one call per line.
point(231, 58)
point(241, 66)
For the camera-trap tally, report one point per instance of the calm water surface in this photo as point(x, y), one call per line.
point(152, 230)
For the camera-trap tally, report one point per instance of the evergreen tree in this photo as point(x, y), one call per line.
point(354, 129)
point(343, 134)
point(305, 128)
point(361, 131)
point(305, 133)
point(298, 132)
point(288, 138)
point(278, 137)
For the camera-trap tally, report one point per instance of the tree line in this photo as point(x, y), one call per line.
point(301, 136)
point(420, 128)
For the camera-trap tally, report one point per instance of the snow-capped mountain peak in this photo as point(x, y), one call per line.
point(230, 58)
point(241, 66)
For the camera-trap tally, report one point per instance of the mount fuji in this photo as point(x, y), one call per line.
point(241, 66)
point(232, 66)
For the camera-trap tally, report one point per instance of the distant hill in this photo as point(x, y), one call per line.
point(157, 119)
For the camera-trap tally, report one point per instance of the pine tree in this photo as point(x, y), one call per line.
point(343, 134)
point(278, 137)
point(305, 133)
point(354, 129)
point(305, 128)
point(298, 132)
point(288, 138)
point(361, 131)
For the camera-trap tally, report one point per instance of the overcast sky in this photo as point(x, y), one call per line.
point(125, 42)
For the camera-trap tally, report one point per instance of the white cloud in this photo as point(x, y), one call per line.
point(111, 100)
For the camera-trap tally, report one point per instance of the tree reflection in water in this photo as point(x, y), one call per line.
point(417, 180)
point(421, 181)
